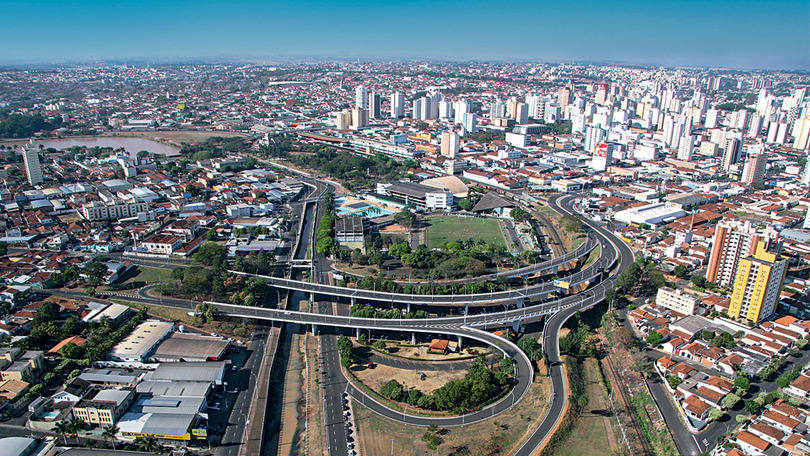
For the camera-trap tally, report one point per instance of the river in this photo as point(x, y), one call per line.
point(131, 145)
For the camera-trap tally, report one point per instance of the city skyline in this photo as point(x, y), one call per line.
point(763, 36)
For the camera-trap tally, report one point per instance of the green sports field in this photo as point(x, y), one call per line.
point(443, 229)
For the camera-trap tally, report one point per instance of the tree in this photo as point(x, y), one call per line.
point(72, 351)
point(210, 254)
point(363, 339)
point(392, 390)
point(211, 235)
point(148, 444)
point(643, 367)
point(399, 249)
point(654, 338)
point(109, 432)
point(674, 381)
point(743, 383)
point(699, 280)
point(752, 407)
point(519, 214)
point(531, 347)
point(681, 271)
point(405, 218)
point(730, 401)
point(715, 413)
point(95, 272)
point(62, 428)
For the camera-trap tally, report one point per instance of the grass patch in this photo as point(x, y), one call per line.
point(444, 229)
point(149, 275)
point(590, 428)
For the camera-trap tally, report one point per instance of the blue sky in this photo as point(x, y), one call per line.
point(739, 34)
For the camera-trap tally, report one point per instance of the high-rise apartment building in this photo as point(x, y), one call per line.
point(757, 285)
point(33, 170)
point(754, 169)
point(361, 97)
point(450, 144)
point(374, 105)
point(397, 105)
point(733, 240)
point(359, 118)
point(731, 152)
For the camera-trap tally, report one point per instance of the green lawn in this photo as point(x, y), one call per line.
point(149, 275)
point(443, 229)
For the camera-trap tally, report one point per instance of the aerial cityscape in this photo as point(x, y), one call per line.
point(241, 237)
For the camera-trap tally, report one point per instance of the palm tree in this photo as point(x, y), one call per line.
point(62, 428)
point(147, 444)
point(109, 432)
point(75, 427)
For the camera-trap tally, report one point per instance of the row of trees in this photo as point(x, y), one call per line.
point(367, 311)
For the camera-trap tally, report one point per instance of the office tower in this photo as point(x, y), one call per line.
point(374, 105)
point(449, 143)
point(522, 113)
point(359, 118)
point(685, 148)
point(397, 105)
point(593, 136)
point(711, 118)
point(754, 170)
point(33, 170)
point(361, 97)
point(731, 153)
point(511, 107)
point(460, 109)
point(602, 156)
point(445, 109)
point(757, 285)
point(755, 127)
point(733, 240)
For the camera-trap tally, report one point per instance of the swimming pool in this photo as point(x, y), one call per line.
point(360, 208)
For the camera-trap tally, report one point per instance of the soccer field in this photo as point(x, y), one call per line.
point(443, 229)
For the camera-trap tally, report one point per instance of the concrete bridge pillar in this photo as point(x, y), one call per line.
point(459, 343)
point(413, 338)
point(467, 308)
point(357, 333)
point(354, 301)
point(520, 304)
point(409, 307)
point(314, 330)
point(516, 327)
point(312, 296)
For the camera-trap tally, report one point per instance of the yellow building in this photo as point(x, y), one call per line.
point(757, 285)
point(105, 408)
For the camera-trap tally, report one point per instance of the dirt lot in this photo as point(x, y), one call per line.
point(500, 435)
point(421, 352)
point(380, 375)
